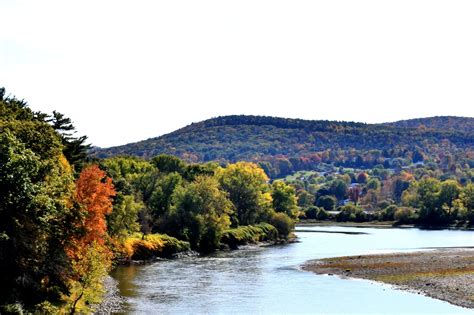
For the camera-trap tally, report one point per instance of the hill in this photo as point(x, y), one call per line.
point(439, 123)
point(234, 138)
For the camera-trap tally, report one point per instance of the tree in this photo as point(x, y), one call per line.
point(284, 199)
point(34, 221)
point(468, 201)
point(339, 189)
point(160, 200)
point(373, 184)
point(74, 148)
point(94, 192)
point(305, 199)
point(316, 213)
point(362, 178)
point(203, 212)
point(428, 202)
point(449, 192)
point(87, 250)
point(326, 202)
point(246, 184)
point(123, 220)
point(169, 164)
point(354, 194)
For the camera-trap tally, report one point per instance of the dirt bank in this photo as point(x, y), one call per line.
point(445, 274)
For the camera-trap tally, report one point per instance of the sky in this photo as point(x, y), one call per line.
point(126, 71)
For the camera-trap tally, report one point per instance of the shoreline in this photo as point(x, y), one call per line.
point(445, 274)
point(381, 225)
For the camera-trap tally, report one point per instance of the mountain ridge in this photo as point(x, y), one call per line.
point(245, 137)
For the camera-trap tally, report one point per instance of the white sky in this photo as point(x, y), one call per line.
point(129, 70)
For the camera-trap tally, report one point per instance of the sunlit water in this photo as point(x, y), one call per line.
point(269, 280)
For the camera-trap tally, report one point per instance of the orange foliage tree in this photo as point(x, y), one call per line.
point(94, 191)
point(90, 257)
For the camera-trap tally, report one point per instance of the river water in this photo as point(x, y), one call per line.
point(268, 280)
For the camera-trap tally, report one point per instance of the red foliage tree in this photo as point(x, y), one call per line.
point(354, 194)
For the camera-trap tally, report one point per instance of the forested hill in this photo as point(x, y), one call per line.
point(440, 123)
point(294, 144)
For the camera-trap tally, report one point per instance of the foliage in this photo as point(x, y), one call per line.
point(124, 218)
point(90, 268)
point(203, 212)
point(35, 190)
point(283, 146)
point(326, 202)
point(404, 216)
point(284, 199)
point(351, 213)
point(94, 191)
point(153, 245)
point(246, 185)
point(283, 223)
point(316, 213)
point(249, 234)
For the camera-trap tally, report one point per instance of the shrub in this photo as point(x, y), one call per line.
point(249, 234)
point(283, 223)
point(404, 216)
point(388, 213)
point(351, 213)
point(316, 213)
point(153, 245)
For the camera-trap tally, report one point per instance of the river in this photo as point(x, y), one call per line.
point(268, 280)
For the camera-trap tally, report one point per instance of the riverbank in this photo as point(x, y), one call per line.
point(112, 301)
point(381, 224)
point(444, 274)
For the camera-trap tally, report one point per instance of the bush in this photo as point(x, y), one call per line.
point(351, 213)
point(283, 223)
point(404, 216)
point(153, 245)
point(249, 234)
point(388, 213)
point(316, 213)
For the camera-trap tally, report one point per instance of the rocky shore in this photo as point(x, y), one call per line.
point(445, 274)
point(112, 301)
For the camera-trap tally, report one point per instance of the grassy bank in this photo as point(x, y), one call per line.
point(139, 247)
point(445, 274)
point(249, 234)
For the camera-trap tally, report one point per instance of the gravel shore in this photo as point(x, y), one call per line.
point(445, 274)
point(113, 301)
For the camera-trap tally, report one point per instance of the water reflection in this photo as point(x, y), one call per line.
point(268, 280)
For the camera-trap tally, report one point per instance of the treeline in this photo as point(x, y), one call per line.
point(196, 203)
point(418, 195)
point(53, 242)
point(65, 219)
point(278, 140)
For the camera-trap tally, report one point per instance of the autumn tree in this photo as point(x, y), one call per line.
point(354, 194)
point(246, 184)
point(94, 192)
